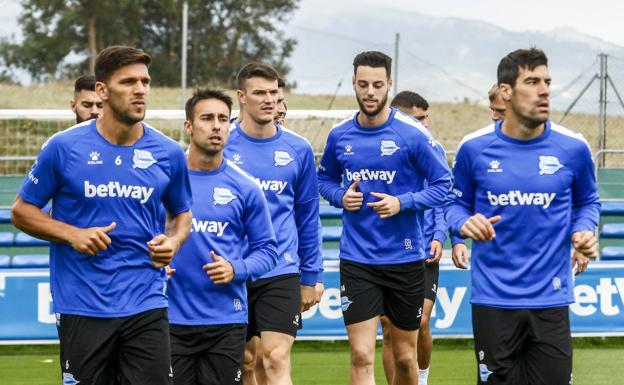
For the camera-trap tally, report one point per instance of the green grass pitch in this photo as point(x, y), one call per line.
point(596, 362)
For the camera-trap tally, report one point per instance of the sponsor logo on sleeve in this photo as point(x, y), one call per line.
point(222, 196)
point(549, 165)
point(142, 159)
point(388, 147)
point(282, 158)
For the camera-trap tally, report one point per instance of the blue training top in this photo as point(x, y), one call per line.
point(544, 189)
point(92, 183)
point(395, 158)
point(228, 206)
point(283, 166)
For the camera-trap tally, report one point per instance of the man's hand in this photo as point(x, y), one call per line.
point(435, 252)
point(162, 249)
point(170, 271)
point(352, 199)
point(387, 207)
point(220, 271)
point(318, 292)
point(580, 262)
point(460, 256)
point(479, 228)
point(91, 240)
point(586, 243)
point(308, 296)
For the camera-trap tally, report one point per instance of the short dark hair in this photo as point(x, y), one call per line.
point(510, 65)
point(253, 70)
point(112, 58)
point(373, 59)
point(281, 83)
point(85, 82)
point(409, 99)
point(203, 94)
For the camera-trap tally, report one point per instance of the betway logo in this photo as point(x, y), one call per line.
point(209, 227)
point(366, 174)
point(515, 198)
point(272, 185)
point(117, 190)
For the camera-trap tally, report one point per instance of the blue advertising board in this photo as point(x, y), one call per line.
point(26, 305)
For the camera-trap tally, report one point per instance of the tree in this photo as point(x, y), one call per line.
point(62, 37)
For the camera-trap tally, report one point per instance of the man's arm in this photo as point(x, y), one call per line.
point(262, 255)
point(164, 246)
point(30, 219)
point(586, 205)
point(330, 176)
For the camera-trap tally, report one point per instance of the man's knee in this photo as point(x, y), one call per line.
point(277, 358)
point(362, 356)
point(405, 361)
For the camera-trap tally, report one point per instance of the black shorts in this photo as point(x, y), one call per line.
point(207, 355)
point(522, 346)
point(126, 350)
point(432, 273)
point(396, 291)
point(274, 305)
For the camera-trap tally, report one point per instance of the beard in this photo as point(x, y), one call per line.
point(123, 113)
point(377, 110)
point(527, 120)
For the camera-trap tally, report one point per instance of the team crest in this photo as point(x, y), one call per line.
point(484, 372)
point(68, 379)
point(142, 159)
point(549, 165)
point(222, 196)
point(282, 158)
point(344, 301)
point(388, 147)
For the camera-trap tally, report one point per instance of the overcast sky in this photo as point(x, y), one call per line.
point(600, 18)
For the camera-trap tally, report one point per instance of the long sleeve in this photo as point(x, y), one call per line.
point(262, 253)
point(306, 209)
point(459, 204)
point(585, 200)
point(329, 176)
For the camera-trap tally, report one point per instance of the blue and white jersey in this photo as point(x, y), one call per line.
point(227, 207)
point(395, 158)
point(92, 183)
point(283, 166)
point(544, 189)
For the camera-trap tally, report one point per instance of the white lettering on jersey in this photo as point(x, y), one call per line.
point(272, 185)
point(215, 227)
point(515, 198)
point(115, 189)
point(366, 174)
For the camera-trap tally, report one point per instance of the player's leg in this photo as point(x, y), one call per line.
point(425, 341)
point(261, 377)
point(549, 353)
point(404, 354)
point(144, 349)
point(278, 318)
point(253, 335)
point(388, 360)
point(276, 347)
point(87, 347)
point(249, 361)
point(221, 360)
point(362, 304)
point(362, 338)
point(403, 291)
point(499, 337)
